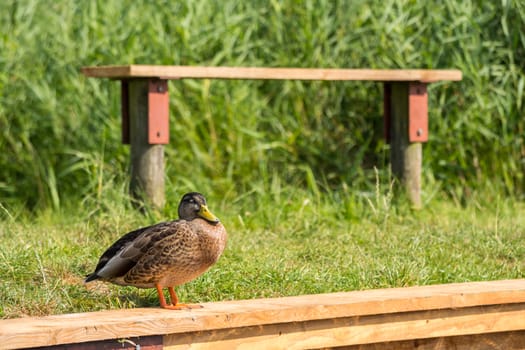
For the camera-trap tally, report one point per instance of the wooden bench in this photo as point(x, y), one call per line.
point(145, 113)
point(478, 315)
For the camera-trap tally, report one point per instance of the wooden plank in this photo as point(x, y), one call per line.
point(357, 330)
point(147, 160)
point(406, 157)
point(491, 341)
point(199, 72)
point(93, 326)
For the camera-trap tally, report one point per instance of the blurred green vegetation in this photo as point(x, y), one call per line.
point(60, 131)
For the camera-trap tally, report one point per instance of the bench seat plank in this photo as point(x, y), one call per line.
point(200, 72)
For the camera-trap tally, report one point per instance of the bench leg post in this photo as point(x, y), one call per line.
point(406, 117)
point(147, 155)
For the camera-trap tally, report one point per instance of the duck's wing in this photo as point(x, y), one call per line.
point(118, 259)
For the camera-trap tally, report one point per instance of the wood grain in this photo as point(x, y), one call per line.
point(490, 341)
point(502, 302)
point(356, 330)
point(200, 72)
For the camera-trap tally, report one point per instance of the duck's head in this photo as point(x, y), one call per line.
point(193, 205)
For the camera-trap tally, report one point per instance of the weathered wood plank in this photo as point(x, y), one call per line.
point(490, 341)
point(178, 72)
point(357, 330)
point(378, 304)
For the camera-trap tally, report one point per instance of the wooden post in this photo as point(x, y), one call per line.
point(147, 159)
point(406, 156)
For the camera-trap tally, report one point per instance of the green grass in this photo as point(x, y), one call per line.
point(285, 242)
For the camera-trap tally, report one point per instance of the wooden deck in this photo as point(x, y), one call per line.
point(474, 314)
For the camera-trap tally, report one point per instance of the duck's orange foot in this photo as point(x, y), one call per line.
point(174, 300)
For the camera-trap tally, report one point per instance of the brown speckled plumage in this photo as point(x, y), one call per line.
point(167, 254)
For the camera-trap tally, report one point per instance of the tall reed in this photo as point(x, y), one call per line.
point(60, 131)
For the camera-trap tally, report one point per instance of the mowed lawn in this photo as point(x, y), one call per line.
point(283, 245)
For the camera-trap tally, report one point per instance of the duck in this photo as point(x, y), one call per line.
point(167, 254)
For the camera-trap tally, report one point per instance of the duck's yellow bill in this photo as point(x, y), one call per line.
point(207, 215)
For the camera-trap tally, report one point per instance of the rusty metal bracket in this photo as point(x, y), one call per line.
point(417, 112)
point(158, 112)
